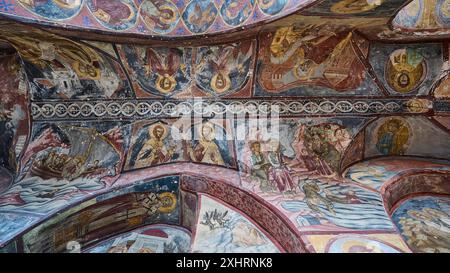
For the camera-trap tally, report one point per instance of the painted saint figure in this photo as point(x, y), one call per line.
point(154, 150)
point(206, 150)
point(392, 137)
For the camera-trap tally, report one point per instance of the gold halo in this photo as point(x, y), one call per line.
point(209, 125)
point(159, 85)
point(153, 126)
point(226, 79)
point(173, 203)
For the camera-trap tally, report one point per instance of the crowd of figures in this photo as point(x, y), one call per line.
point(317, 153)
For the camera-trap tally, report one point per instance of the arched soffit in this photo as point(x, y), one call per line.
point(169, 200)
point(160, 19)
point(379, 173)
point(425, 182)
point(218, 182)
point(424, 18)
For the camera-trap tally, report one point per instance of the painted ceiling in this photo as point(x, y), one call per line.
point(224, 126)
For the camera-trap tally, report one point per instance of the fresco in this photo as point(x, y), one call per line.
point(312, 59)
point(381, 8)
point(221, 229)
point(303, 148)
point(235, 13)
point(113, 212)
point(211, 143)
point(272, 7)
point(199, 15)
point(335, 206)
point(359, 245)
point(160, 71)
point(62, 164)
point(153, 239)
point(190, 72)
point(424, 223)
point(116, 14)
point(375, 173)
point(58, 68)
point(226, 69)
point(159, 16)
point(406, 136)
point(14, 116)
point(410, 69)
point(165, 18)
point(153, 144)
point(423, 15)
point(53, 9)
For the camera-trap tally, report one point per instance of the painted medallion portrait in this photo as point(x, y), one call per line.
point(160, 16)
point(236, 12)
point(114, 14)
point(53, 9)
point(199, 15)
point(405, 70)
point(272, 7)
point(209, 145)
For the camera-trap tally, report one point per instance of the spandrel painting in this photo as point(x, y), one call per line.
point(407, 70)
point(222, 70)
point(331, 205)
point(189, 72)
point(199, 15)
point(163, 72)
point(115, 212)
point(62, 164)
point(225, 230)
point(424, 223)
point(235, 13)
point(312, 59)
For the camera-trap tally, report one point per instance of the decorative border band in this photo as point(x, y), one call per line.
point(139, 109)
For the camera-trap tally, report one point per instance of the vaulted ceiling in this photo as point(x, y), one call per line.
point(280, 125)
